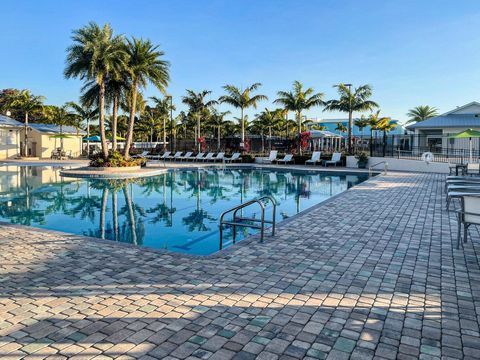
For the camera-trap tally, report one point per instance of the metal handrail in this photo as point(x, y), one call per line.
point(385, 167)
point(238, 220)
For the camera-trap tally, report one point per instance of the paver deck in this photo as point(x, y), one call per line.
point(373, 273)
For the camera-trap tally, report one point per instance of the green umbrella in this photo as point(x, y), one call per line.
point(469, 133)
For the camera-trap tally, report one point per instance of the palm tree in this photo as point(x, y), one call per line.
point(151, 122)
point(62, 117)
point(198, 108)
point(374, 121)
point(96, 54)
point(163, 107)
point(298, 100)
point(386, 125)
point(350, 102)
point(268, 120)
point(242, 99)
point(217, 121)
point(84, 113)
point(144, 65)
point(341, 128)
point(421, 113)
point(361, 123)
point(28, 103)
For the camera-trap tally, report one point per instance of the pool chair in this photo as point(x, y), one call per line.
point(469, 214)
point(199, 157)
point(315, 158)
point(286, 159)
point(143, 155)
point(271, 158)
point(165, 155)
point(175, 157)
point(187, 156)
point(220, 156)
point(209, 157)
point(336, 159)
point(457, 191)
point(233, 158)
point(473, 169)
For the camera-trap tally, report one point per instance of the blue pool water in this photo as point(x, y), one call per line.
point(178, 211)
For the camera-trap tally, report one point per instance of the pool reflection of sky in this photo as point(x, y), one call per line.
point(178, 211)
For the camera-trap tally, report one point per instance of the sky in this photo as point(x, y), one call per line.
point(412, 52)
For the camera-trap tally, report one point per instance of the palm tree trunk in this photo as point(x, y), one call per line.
point(102, 212)
point(350, 139)
point(128, 143)
point(218, 138)
point(164, 134)
point(88, 135)
point(198, 127)
point(115, 215)
point(61, 139)
point(242, 125)
point(25, 139)
point(131, 215)
point(102, 120)
point(371, 142)
point(299, 123)
point(114, 122)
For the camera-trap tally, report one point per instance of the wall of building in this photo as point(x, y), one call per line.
point(402, 165)
point(42, 145)
point(9, 143)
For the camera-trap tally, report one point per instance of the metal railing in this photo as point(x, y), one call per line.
point(243, 221)
point(385, 167)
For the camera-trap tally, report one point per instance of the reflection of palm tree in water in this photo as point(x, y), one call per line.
point(115, 214)
point(196, 219)
point(103, 211)
point(131, 215)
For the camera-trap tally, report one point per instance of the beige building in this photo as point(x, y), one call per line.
point(9, 137)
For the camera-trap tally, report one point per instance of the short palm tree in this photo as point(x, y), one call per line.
point(350, 102)
point(375, 121)
point(163, 107)
point(218, 122)
point(61, 116)
point(421, 113)
point(385, 125)
point(27, 103)
point(242, 99)
point(145, 64)
point(341, 128)
point(268, 121)
point(95, 55)
point(361, 123)
point(85, 114)
point(198, 108)
point(298, 100)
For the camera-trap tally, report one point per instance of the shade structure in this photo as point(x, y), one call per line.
point(94, 138)
point(467, 134)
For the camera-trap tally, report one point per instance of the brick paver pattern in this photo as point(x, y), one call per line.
point(373, 273)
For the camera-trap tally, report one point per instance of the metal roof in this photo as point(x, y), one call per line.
point(448, 121)
point(55, 129)
point(5, 121)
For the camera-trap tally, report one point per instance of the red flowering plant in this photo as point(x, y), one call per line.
point(304, 138)
point(203, 143)
point(246, 145)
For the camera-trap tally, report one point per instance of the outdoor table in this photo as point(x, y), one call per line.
point(460, 166)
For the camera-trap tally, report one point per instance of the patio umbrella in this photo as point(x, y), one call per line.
point(470, 133)
point(94, 138)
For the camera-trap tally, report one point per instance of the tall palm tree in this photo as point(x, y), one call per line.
point(298, 100)
point(375, 121)
point(198, 108)
point(421, 113)
point(96, 54)
point(28, 103)
point(163, 107)
point(145, 64)
point(86, 114)
point(242, 99)
point(350, 102)
point(217, 121)
point(268, 120)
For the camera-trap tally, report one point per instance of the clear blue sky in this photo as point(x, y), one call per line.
point(411, 52)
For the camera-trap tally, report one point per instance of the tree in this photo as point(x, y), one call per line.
point(28, 103)
point(421, 113)
point(298, 100)
point(341, 128)
point(350, 102)
point(145, 65)
point(217, 122)
point(62, 117)
point(199, 108)
point(95, 55)
point(242, 99)
point(86, 114)
point(374, 121)
point(361, 123)
point(267, 121)
point(386, 125)
point(163, 107)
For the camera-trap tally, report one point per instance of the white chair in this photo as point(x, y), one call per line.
point(219, 157)
point(271, 158)
point(209, 157)
point(336, 158)
point(233, 158)
point(187, 156)
point(473, 169)
point(286, 159)
point(468, 215)
point(315, 158)
point(141, 156)
point(199, 156)
point(175, 157)
point(165, 155)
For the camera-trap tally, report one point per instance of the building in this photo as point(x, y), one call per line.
point(10, 131)
point(331, 125)
point(434, 134)
point(43, 140)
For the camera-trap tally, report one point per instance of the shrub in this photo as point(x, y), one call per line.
point(248, 158)
point(115, 159)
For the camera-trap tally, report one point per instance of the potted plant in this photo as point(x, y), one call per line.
point(362, 160)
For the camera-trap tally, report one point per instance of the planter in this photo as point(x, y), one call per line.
point(362, 164)
point(113, 169)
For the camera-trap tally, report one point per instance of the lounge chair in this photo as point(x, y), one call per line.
point(143, 155)
point(336, 158)
point(219, 157)
point(187, 156)
point(209, 157)
point(456, 191)
point(271, 158)
point(286, 159)
point(473, 169)
point(165, 155)
point(175, 157)
point(469, 214)
point(233, 158)
point(315, 158)
point(199, 157)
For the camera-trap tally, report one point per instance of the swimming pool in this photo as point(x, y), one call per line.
point(178, 211)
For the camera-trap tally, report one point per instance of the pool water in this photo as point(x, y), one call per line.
point(178, 211)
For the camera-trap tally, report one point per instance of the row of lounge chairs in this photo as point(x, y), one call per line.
point(314, 160)
point(467, 190)
point(188, 156)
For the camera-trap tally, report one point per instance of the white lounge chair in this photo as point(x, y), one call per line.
point(199, 157)
point(286, 159)
point(209, 157)
point(233, 158)
point(187, 156)
point(271, 158)
point(177, 155)
point(468, 215)
point(165, 155)
point(336, 158)
point(315, 158)
point(219, 157)
point(473, 169)
point(141, 156)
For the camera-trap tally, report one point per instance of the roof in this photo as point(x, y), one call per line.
point(448, 121)
point(55, 129)
point(6, 121)
point(472, 104)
